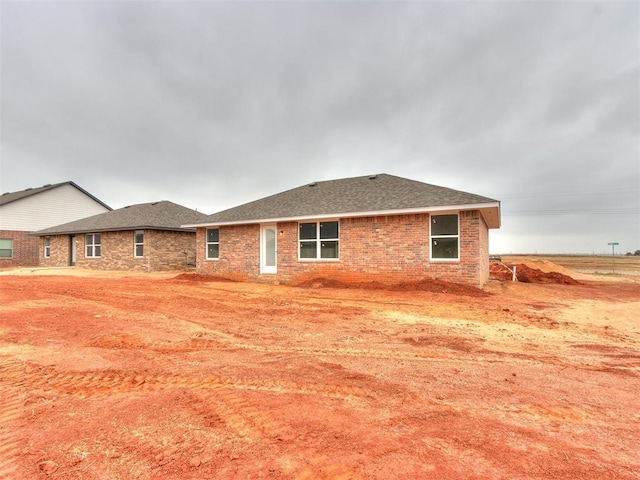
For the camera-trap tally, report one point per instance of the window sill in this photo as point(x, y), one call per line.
point(313, 260)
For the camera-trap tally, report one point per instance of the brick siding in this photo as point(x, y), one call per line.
point(163, 250)
point(25, 249)
point(385, 249)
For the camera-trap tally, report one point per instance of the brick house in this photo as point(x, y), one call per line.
point(144, 237)
point(37, 208)
point(374, 228)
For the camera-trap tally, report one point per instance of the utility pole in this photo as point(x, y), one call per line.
point(613, 255)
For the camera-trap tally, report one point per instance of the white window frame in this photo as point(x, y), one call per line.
point(93, 245)
point(136, 244)
point(207, 243)
point(318, 242)
point(47, 247)
point(435, 238)
point(10, 240)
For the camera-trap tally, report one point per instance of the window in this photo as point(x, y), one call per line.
point(319, 240)
point(213, 243)
point(6, 248)
point(138, 243)
point(444, 237)
point(47, 247)
point(92, 245)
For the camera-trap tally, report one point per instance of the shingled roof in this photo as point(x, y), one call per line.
point(162, 215)
point(381, 194)
point(13, 196)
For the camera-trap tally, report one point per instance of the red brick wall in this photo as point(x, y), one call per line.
point(59, 251)
point(163, 250)
point(239, 252)
point(384, 249)
point(25, 249)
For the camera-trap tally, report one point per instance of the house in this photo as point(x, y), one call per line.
point(37, 208)
point(144, 237)
point(379, 227)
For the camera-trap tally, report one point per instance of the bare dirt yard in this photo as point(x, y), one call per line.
point(176, 376)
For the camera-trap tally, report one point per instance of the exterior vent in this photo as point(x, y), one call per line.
point(373, 177)
point(313, 184)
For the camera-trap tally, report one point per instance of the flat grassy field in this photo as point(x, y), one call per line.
point(603, 264)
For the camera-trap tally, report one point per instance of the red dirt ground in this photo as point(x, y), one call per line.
point(157, 377)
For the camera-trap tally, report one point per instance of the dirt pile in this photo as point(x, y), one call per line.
point(526, 274)
point(425, 285)
point(197, 277)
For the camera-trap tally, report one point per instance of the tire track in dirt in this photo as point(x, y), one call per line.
point(480, 356)
point(253, 423)
point(11, 409)
point(226, 341)
point(249, 422)
point(92, 384)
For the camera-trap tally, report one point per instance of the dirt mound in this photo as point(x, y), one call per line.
point(527, 274)
point(426, 285)
point(198, 277)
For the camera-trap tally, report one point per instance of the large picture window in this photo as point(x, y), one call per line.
point(138, 243)
point(213, 243)
point(47, 247)
point(444, 237)
point(6, 248)
point(92, 245)
point(319, 240)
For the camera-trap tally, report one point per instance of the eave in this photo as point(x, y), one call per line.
point(490, 212)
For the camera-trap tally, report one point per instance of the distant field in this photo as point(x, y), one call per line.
point(587, 263)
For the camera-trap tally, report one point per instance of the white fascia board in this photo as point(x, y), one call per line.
point(375, 213)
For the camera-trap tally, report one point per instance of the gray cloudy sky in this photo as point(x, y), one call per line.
point(213, 104)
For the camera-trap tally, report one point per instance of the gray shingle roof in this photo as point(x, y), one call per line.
point(13, 196)
point(375, 193)
point(162, 215)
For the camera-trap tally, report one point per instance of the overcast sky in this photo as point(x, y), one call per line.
point(214, 104)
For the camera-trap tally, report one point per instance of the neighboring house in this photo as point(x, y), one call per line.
point(379, 227)
point(144, 237)
point(37, 208)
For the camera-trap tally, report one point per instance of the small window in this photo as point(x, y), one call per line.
point(6, 248)
point(213, 243)
point(47, 247)
point(138, 243)
point(444, 237)
point(319, 240)
point(92, 245)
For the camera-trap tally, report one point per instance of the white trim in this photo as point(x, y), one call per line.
point(264, 268)
point(318, 242)
point(207, 243)
point(46, 253)
point(373, 213)
point(93, 245)
point(457, 237)
point(135, 244)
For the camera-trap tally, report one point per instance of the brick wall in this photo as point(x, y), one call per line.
point(385, 249)
point(239, 252)
point(25, 249)
point(59, 252)
point(163, 250)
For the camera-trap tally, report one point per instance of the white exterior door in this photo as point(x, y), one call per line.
point(268, 249)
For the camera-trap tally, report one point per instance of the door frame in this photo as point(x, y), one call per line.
point(264, 268)
point(72, 250)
